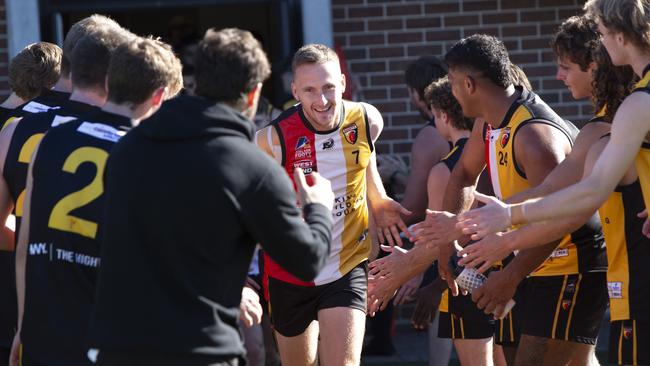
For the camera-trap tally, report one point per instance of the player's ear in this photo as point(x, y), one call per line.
point(158, 96)
point(343, 82)
point(253, 95)
point(470, 84)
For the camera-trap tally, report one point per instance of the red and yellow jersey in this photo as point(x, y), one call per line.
point(342, 156)
point(579, 252)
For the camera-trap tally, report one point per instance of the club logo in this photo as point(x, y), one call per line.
point(505, 137)
point(328, 144)
point(627, 332)
point(566, 304)
point(351, 133)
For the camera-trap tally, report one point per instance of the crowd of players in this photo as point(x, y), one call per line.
point(137, 211)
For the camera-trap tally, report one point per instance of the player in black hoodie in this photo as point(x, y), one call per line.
point(188, 196)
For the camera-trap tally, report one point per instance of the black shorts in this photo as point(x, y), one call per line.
point(294, 307)
point(464, 320)
point(507, 331)
point(629, 342)
point(568, 308)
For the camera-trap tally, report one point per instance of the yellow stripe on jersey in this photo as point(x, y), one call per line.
point(573, 304)
point(557, 308)
point(612, 216)
point(356, 148)
point(7, 122)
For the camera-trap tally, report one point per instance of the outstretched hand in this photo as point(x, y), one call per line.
point(388, 220)
point(437, 228)
point(482, 254)
point(385, 277)
point(492, 218)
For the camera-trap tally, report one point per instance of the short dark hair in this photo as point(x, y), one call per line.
point(78, 30)
point(313, 54)
point(229, 63)
point(92, 54)
point(576, 39)
point(422, 72)
point(438, 95)
point(34, 68)
point(139, 68)
point(483, 53)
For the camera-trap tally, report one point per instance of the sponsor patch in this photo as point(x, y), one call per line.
point(566, 304)
point(627, 332)
point(59, 120)
point(615, 290)
point(101, 131)
point(303, 142)
point(505, 137)
point(35, 107)
point(328, 144)
point(560, 253)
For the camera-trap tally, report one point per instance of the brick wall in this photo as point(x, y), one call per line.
point(380, 37)
point(4, 63)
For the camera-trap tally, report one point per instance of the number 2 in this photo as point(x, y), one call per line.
point(503, 158)
point(60, 217)
point(24, 156)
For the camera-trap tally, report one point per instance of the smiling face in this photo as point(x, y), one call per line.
point(577, 81)
point(319, 88)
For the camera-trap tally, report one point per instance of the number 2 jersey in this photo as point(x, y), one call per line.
point(65, 214)
point(579, 252)
point(342, 156)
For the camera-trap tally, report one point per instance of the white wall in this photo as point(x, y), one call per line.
point(23, 24)
point(317, 22)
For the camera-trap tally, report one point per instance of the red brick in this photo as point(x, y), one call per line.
point(380, 80)
point(550, 97)
point(549, 56)
point(399, 92)
point(367, 39)
point(517, 4)
point(375, 25)
point(536, 43)
point(443, 35)
point(416, 51)
point(429, 22)
point(399, 65)
point(405, 37)
point(405, 120)
point(553, 84)
point(482, 30)
point(524, 58)
point(387, 52)
point(374, 66)
point(499, 18)
point(353, 26)
point(479, 5)
point(395, 134)
point(346, 2)
point(356, 54)
point(413, 9)
point(519, 30)
point(339, 13)
point(461, 20)
point(532, 71)
point(548, 28)
point(382, 147)
point(538, 16)
point(511, 45)
point(389, 107)
point(341, 40)
point(567, 110)
point(366, 12)
point(373, 94)
point(566, 13)
point(402, 147)
point(450, 7)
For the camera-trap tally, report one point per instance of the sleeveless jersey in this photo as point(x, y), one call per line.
point(66, 211)
point(580, 252)
point(642, 160)
point(8, 318)
point(628, 252)
point(342, 156)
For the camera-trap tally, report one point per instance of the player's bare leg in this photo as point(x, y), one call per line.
point(301, 350)
point(341, 332)
point(474, 352)
point(536, 351)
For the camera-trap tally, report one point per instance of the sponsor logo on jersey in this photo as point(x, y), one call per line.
point(351, 133)
point(505, 137)
point(566, 304)
point(302, 143)
point(570, 288)
point(328, 144)
point(560, 253)
point(363, 236)
point(615, 290)
point(305, 165)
